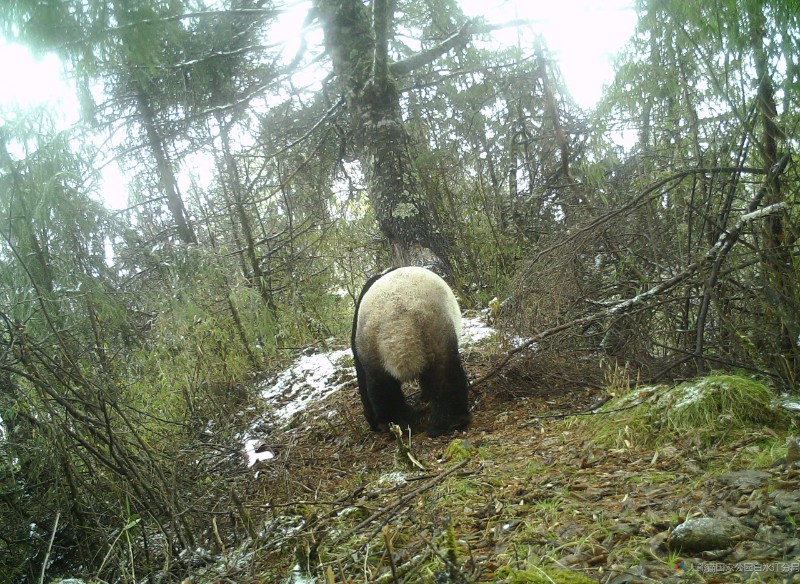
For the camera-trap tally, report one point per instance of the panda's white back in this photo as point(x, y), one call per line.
point(407, 319)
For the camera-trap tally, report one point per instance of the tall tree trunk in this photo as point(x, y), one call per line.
point(257, 276)
point(143, 92)
point(780, 277)
point(358, 47)
point(552, 115)
point(166, 175)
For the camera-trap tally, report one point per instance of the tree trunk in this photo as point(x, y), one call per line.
point(166, 176)
point(780, 278)
point(358, 50)
point(256, 274)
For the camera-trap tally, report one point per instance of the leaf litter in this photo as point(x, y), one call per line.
point(518, 493)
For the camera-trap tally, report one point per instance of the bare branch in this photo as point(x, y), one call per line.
point(457, 39)
point(726, 240)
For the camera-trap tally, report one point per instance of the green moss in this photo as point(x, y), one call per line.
point(716, 408)
point(723, 398)
point(459, 450)
point(543, 576)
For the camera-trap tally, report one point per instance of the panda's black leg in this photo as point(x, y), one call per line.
point(369, 411)
point(449, 386)
point(388, 403)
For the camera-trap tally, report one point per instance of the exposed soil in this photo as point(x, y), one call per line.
point(523, 489)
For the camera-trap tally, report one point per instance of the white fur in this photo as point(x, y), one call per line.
point(406, 322)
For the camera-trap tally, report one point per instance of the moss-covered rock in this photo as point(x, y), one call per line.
point(715, 408)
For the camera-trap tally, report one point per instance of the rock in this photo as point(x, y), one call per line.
point(792, 450)
point(746, 481)
point(785, 503)
point(707, 533)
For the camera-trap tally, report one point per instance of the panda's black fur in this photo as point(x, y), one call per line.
point(406, 326)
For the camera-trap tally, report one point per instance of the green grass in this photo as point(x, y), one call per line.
point(713, 409)
point(536, 575)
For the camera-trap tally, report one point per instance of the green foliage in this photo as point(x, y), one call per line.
point(541, 576)
point(718, 402)
point(716, 408)
point(459, 449)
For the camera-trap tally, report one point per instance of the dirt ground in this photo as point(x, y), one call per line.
point(524, 489)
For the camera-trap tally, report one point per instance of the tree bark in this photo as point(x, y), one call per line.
point(166, 176)
point(358, 47)
point(259, 279)
point(776, 258)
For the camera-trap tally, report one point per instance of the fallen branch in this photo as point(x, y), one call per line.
point(723, 245)
point(391, 510)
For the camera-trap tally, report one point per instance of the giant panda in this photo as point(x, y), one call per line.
point(406, 326)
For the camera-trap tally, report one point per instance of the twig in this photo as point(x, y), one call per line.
point(244, 516)
point(219, 541)
point(390, 552)
point(390, 510)
point(404, 454)
point(114, 543)
point(453, 569)
point(49, 547)
point(726, 240)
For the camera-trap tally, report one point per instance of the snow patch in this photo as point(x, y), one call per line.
point(691, 394)
point(311, 379)
point(790, 405)
point(475, 330)
point(255, 451)
point(391, 480)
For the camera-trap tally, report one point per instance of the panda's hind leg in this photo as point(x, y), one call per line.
point(363, 392)
point(448, 387)
point(388, 403)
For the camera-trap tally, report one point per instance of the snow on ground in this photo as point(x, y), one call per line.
point(475, 330)
point(690, 394)
point(311, 379)
point(255, 451)
point(315, 376)
point(791, 405)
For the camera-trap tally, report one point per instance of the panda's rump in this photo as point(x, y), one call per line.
point(408, 321)
point(403, 348)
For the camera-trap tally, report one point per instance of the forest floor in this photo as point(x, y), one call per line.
point(537, 489)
